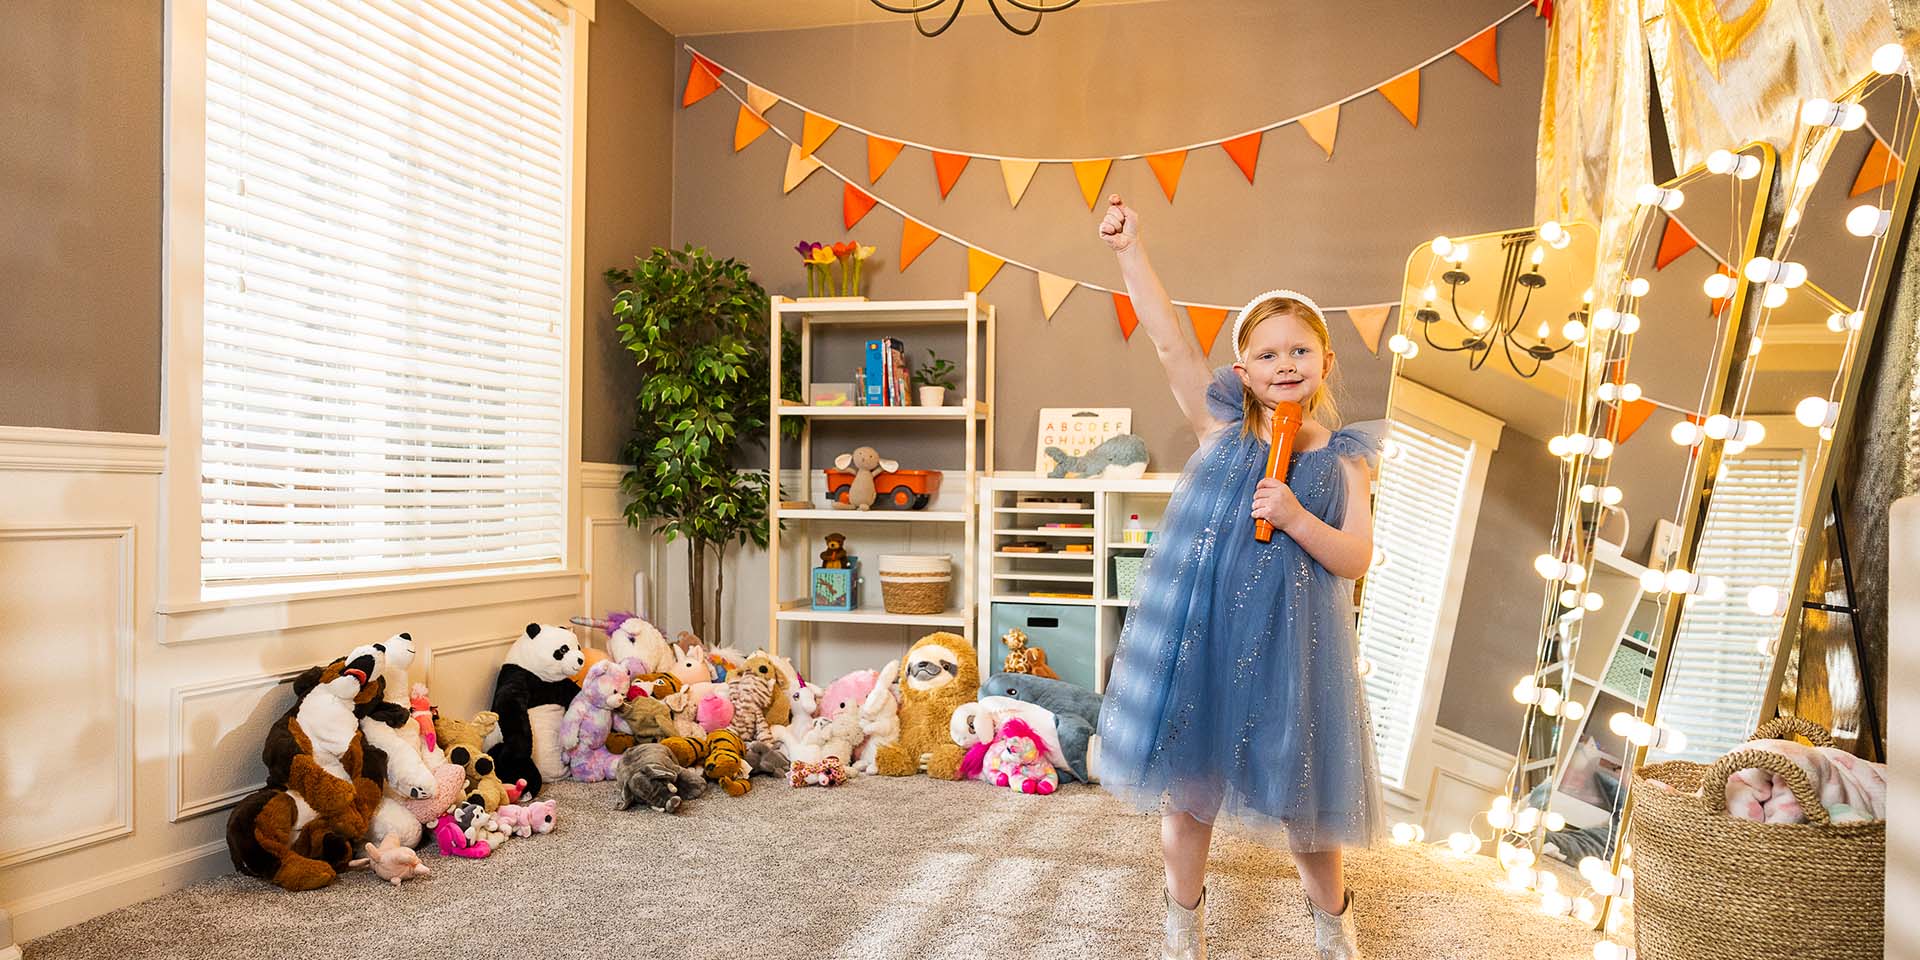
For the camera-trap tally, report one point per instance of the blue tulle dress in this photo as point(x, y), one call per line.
point(1234, 694)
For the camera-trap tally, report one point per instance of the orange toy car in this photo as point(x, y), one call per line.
point(898, 490)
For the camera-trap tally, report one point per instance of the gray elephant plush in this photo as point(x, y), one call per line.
point(1116, 458)
point(649, 775)
point(865, 463)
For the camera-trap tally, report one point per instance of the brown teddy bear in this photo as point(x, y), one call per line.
point(939, 673)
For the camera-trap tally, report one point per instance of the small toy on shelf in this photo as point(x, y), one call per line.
point(1023, 656)
point(861, 480)
point(834, 557)
point(865, 464)
point(1122, 457)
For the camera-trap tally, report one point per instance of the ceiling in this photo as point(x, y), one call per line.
point(693, 17)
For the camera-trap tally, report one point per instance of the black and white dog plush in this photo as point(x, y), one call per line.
point(531, 696)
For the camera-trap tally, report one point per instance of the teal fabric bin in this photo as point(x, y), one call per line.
point(1064, 631)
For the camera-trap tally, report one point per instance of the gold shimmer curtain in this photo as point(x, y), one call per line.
point(1735, 71)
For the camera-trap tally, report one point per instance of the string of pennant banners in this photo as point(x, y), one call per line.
point(705, 75)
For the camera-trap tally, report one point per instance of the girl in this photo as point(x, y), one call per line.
point(1234, 693)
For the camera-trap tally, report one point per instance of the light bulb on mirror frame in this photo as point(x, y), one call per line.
point(1766, 601)
point(1718, 286)
point(1605, 318)
point(1773, 296)
point(1638, 287)
point(1574, 331)
point(1722, 162)
point(1816, 412)
point(1464, 844)
point(1868, 220)
point(1593, 602)
point(1442, 245)
point(1569, 597)
point(1653, 581)
point(1554, 235)
point(1611, 495)
point(1825, 113)
point(1629, 323)
point(1889, 59)
point(1686, 433)
point(1719, 427)
point(1573, 710)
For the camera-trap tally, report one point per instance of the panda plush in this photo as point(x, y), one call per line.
point(531, 696)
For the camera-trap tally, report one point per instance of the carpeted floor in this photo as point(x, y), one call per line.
point(878, 868)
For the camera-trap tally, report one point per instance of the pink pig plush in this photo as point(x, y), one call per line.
point(525, 821)
point(392, 862)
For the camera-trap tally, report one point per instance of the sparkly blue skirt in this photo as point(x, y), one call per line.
point(1234, 695)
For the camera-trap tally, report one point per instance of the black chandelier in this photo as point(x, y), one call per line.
point(916, 9)
point(1520, 277)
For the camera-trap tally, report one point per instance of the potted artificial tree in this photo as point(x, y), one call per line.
point(698, 329)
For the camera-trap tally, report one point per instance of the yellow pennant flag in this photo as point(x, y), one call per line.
point(1091, 174)
point(747, 129)
point(1369, 322)
point(799, 167)
point(1321, 125)
point(815, 132)
point(981, 267)
point(1018, 174)
point(1054, 290)
point(760, 99)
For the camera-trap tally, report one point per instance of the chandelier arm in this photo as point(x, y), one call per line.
point(1042, 7)
point(1426, 333)
point(994, 5)
point(942, 28)
point(1526, 301)
point(914, 9)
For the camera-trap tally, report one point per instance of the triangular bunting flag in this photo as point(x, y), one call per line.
point(702, 78)
point(1091, 174)
point(815, 131)
point(1322, 125)
point(981, 267)
point(854, 204)
point(915, 237)
point(1632, 417)
point(1369, 323)
point(1674, 241)
point(1166, 169)
point(747, 129)
point(1245, 152)
point(1881, 167)
point(1207, 322)
point(947, 167)
point(1403, 92)
point(1123, 309)
point(1483, 51)
point(760, 99)
point(1053, 290)
point(880, 154)
point(1018, 174)
point(799, 167)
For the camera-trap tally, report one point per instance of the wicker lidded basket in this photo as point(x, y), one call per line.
point(1711, 886)
point(915, 583)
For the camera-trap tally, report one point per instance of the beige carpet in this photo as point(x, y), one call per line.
point(878, 868)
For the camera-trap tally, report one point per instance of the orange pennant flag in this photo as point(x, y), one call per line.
point(1166, 169)
point(880, 155)
point(915, 237)
point(1091, 174)
point(1674, 242)
point(1403, 92)
point(1123, 308)
point(1369, 323)
point(815, 131)
point(1881, 167)
point(854, 204)
point(1053, 291)
point(1207, 322)
point(981, 267)
point(947, 167)
point(1632, 416)
point(703, 77)
point(1322, 125)
point(1245, 152)
point(747, 129)
point(1483, 52)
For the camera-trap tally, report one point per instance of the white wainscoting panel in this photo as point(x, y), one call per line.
point(218, 730)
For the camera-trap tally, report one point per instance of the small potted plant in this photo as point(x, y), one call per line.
point(934, 378)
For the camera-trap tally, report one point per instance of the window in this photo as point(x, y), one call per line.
point(384, 332)
point(1418, 507)
point(1722, 652)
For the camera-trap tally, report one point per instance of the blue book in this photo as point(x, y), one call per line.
point(876, 373)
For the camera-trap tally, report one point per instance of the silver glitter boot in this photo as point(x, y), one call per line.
point(1333, 934)
point(1186, 930)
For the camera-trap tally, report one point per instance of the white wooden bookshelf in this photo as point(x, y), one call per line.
point(950, 517)
point(1009, 581)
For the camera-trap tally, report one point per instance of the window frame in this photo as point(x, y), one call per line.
point(181, 592)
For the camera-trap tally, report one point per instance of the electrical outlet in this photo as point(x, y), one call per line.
point(1666, 542)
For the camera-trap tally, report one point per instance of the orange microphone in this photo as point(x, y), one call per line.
point(1286, 424)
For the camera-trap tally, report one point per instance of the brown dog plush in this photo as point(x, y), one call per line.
point(938, 674)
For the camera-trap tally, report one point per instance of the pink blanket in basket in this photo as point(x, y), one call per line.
point(1852, 789)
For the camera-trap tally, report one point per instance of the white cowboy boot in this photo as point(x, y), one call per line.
point(1186, 930)
point(1333, 934)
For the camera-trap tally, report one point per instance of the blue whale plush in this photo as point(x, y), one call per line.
point(1075, 709)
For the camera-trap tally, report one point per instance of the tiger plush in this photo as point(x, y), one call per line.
point(721, 753)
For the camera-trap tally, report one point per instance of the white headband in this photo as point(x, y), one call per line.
point(1239, 355)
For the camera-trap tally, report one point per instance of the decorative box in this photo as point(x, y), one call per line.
point(837, 588)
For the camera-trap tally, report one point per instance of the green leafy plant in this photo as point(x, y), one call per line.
point(697, 328)
point(936, 372)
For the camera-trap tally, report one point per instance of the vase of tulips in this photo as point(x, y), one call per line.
point(833, 270)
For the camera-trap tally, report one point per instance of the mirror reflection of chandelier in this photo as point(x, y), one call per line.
point(1038, 10)
point(1503, 330)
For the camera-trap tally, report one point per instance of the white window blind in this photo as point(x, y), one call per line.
point(1717, 676)
point(1417, 503)
point(385, 283)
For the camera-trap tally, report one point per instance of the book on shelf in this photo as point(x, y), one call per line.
point(887, 375)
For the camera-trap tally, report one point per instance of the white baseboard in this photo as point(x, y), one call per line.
point(65, 906)
point(10, 952)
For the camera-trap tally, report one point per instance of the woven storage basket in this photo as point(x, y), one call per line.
point(915, 583)
point(1711, 886)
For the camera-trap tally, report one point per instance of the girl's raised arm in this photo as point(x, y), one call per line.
point(1186, 367)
